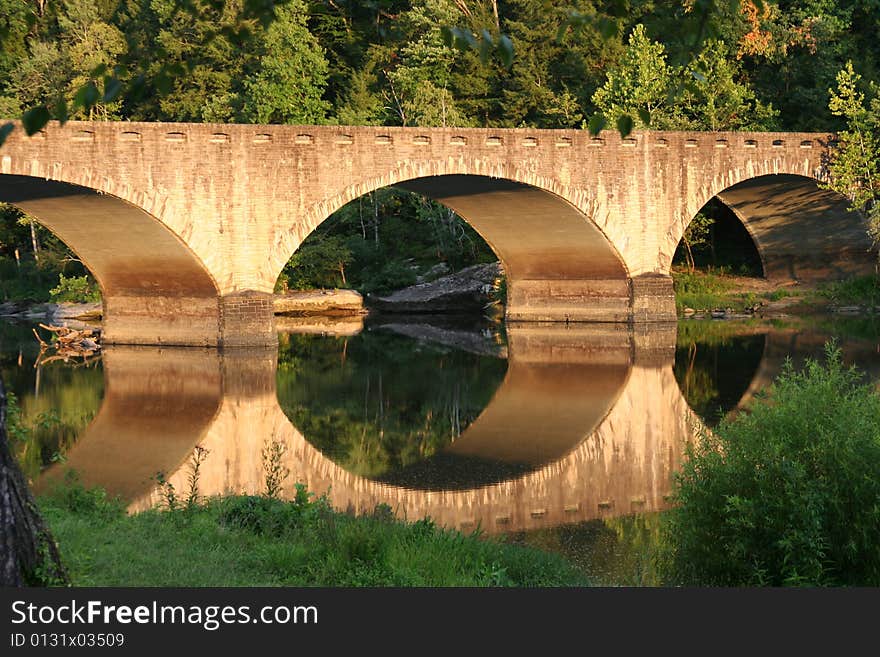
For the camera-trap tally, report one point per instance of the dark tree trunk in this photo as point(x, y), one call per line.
point(28, 553)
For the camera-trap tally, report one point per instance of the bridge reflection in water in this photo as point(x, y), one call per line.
point(592, 417)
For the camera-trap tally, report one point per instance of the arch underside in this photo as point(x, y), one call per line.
point(155, 290)
point(802, 232)
point(558, 264)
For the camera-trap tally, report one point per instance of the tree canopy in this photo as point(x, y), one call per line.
point(755, 65)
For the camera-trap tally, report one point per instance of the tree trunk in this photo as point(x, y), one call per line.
point(28, 553)
point(35, 243)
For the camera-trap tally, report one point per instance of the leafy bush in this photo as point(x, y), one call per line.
point(78, 289)
point(788, 494)
point(269, 516)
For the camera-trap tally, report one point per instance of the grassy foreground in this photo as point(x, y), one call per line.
point(261, 541)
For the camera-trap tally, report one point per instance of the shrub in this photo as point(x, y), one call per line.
point(788, 494)
point(78, 289)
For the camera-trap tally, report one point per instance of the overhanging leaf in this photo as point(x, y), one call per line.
point(505, 50)
point(112, 87)
point(6, 130)
point(596, 124)
point(86, 96)
point(35, 119)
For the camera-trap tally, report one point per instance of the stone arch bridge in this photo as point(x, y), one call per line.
point(187, 226)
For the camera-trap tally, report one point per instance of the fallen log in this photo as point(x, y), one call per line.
point(68, 344)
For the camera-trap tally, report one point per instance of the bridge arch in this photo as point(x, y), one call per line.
point(802, 232)
point(571, 269)
point(154, 288)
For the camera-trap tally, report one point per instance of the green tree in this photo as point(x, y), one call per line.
point(551, 81)
point(198, 48)
point(90, 44)
point(855, 164)
point(288, 84)
point(421, 85)
point(705, 95)
point(641, 86)
point(714, 96)
point(320, 262)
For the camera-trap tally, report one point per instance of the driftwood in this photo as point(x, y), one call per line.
point(68, 344)
point(28, 553)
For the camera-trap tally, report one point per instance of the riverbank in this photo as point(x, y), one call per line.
point(262, 541)
point(702, 295)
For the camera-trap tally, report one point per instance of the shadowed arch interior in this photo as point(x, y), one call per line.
point(803, 232)
point(151, 281)
point(504, 212)
point(568, 269)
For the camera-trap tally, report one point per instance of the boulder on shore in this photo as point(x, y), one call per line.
point(465, 291)
point(319, 302)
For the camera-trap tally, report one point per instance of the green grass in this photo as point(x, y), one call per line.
point(856, 291)
point(260, 541)
point(716, 289)
point(704, 291)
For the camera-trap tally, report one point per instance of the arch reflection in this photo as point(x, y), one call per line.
point(604, 401)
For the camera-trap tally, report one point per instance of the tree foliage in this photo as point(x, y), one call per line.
point(855, 167)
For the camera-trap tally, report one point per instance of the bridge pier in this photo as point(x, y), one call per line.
point(247, 319)
point(653, 299)
point(233, 320)
point(647, 298)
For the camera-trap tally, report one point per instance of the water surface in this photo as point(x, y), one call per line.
point(561, 437)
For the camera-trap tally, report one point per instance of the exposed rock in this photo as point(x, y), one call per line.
point(53, 312)
point(319, 302)
point(465, 291)
point(438, 270)
point(83, 311)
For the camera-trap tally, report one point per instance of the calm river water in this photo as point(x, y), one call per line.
point(563, 437)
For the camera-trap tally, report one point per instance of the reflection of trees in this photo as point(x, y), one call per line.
point(378, 402)
point(697, 385)
point(51, 405)
point(714, 366)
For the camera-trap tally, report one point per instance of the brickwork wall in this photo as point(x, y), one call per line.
point(247, 319)
point(240, 199)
